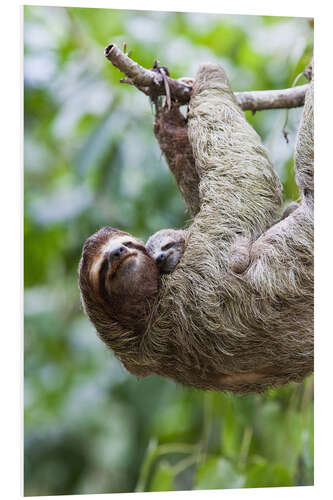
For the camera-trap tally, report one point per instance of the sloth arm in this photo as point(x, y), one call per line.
point(170, 129)
point(286, 249)
point(241, 184)
point(239, 190)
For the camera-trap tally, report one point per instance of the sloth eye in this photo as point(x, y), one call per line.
point(167, 246)
point(137, 246)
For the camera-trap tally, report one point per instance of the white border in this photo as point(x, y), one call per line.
point(296, 8)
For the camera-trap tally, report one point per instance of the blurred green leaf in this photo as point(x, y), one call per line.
point(267, 475)
point(218, 473)
point(290, 188)
point(163, 478)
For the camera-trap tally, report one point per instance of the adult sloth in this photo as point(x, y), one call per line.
point(209, 327)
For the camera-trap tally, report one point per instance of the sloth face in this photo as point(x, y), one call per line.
point(117, 270)
point(166, 248)
point(121, 266)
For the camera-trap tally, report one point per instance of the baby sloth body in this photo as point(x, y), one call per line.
point(166, 247)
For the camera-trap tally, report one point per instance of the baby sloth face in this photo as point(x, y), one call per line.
point(166, 247)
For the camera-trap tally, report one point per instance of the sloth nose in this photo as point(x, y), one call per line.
point(117, 252)
point(161, 257)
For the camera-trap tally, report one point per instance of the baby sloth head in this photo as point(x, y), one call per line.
point(166, 248)
point(118, 278)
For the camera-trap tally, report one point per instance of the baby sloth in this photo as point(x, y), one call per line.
point(166, 247)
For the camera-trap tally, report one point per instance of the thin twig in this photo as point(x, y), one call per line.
point(284, 128)
point(154, 83)
point(167, 88)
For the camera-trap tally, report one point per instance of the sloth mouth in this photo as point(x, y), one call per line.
point(109, 271)
point(118, 263)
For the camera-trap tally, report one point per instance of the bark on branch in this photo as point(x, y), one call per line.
point(152, 83)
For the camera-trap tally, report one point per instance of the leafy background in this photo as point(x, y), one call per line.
point(91, 160)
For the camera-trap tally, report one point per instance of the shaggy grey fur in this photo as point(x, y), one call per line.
point(211, 327)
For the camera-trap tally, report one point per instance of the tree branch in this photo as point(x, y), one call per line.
point(152, 83)
point(257, 100)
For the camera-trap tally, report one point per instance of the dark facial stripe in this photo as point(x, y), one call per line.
point(168, 245)
point(101, 279)
point(137, 246)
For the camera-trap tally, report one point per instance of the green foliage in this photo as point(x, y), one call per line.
point(91, 160)
point(290, 188)
point(263, 475)
point(218, 473)
point(163, 478)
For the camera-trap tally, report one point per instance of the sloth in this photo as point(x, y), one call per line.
point(203, 325)
point(166, 248)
